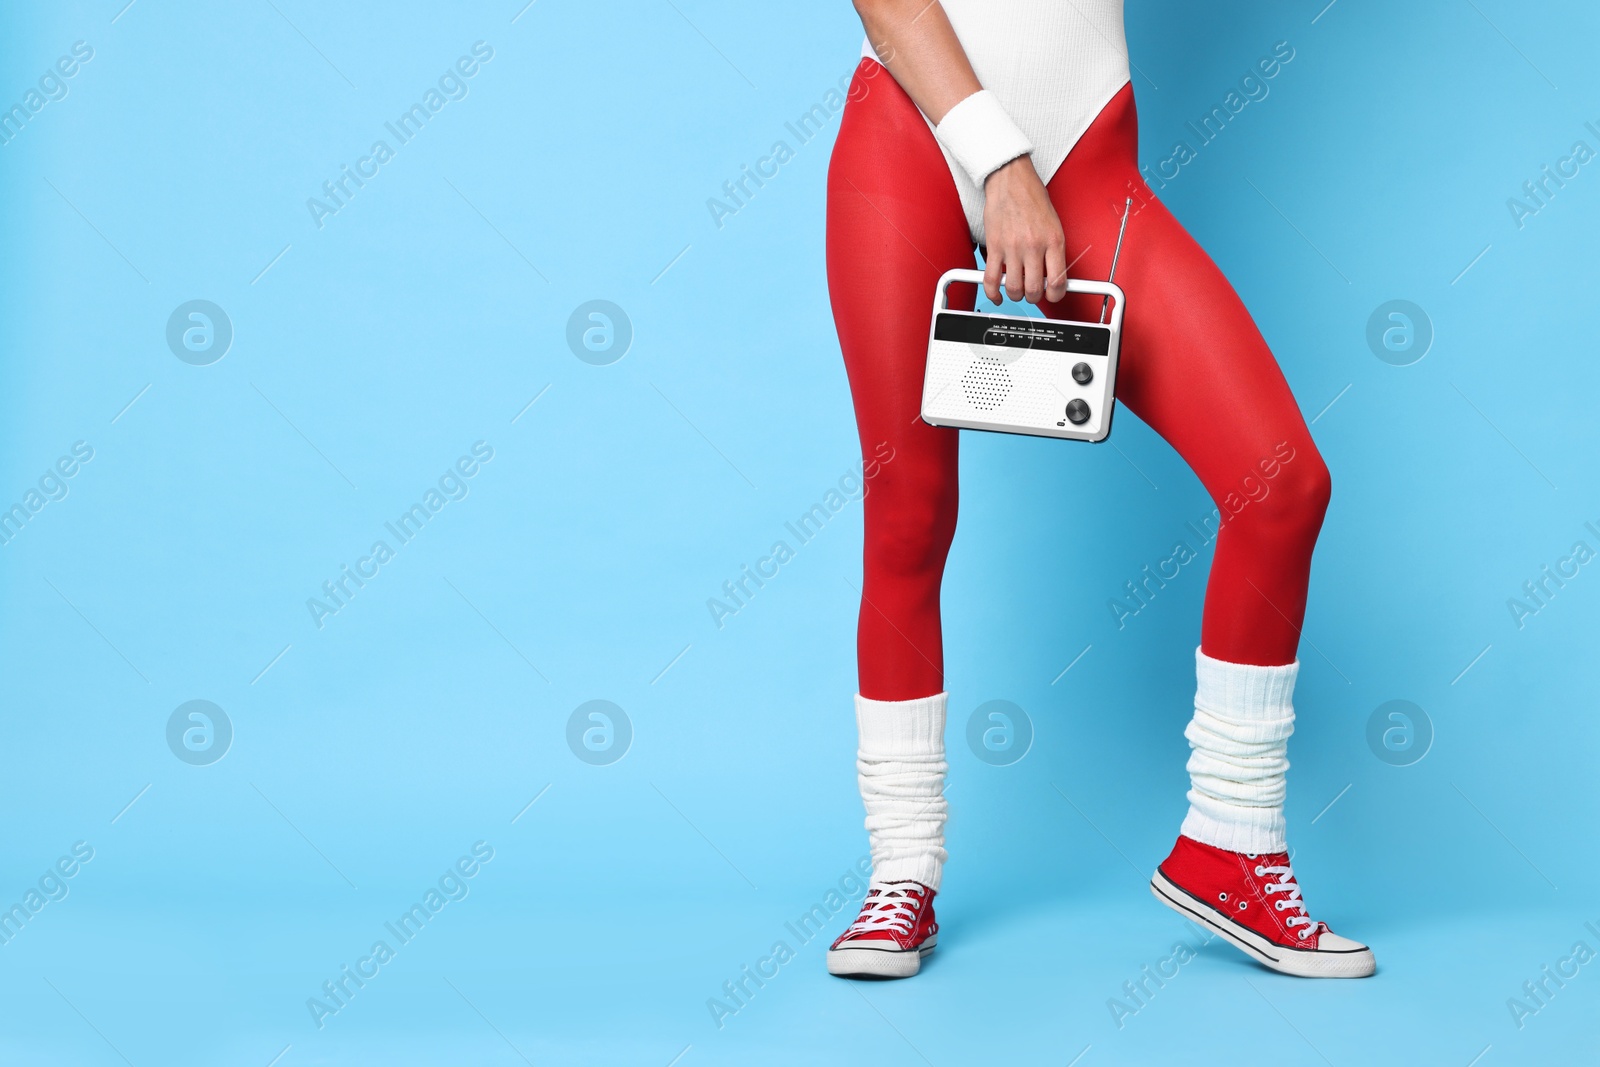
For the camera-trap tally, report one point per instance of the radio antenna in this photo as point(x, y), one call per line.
point(1126, 208)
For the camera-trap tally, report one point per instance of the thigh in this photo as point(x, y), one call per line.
point(1194, 366)
point(895, 225)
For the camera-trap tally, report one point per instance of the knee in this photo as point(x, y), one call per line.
point(1312, 486)
point(1289, 505)
point(1299, 496)
point(910, 523)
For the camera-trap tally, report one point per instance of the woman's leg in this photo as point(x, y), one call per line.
point(1196, 369)
point(895, 225)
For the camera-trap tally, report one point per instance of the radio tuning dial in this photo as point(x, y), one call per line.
point(1077, 412)
point(1083, 374)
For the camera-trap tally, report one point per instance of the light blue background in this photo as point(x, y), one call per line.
point(426, 315)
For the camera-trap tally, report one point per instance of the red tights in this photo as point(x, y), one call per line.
point(1193, 366)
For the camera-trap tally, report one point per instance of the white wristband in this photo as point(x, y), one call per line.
point(981, 136)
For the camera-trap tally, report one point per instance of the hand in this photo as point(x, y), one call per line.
point(1023, 236)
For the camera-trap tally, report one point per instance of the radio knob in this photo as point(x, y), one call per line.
point(1082, 374)
point(1077, 412)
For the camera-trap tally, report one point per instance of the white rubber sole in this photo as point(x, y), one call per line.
point(1303, 963)
point(878, 962)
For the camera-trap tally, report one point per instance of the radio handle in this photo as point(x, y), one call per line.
point(1109, 290)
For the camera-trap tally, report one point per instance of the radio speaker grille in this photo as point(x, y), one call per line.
point(986, 383)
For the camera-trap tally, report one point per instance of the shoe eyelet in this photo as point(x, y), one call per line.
point(1250, 855)
point(1243, 904)
point(1279, 905)
point(1222, 896)
point(1261, 872)
point(1305, 932)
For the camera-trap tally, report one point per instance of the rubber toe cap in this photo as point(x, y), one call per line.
point(1332, 942)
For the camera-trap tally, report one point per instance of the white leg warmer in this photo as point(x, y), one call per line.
point(1243, 716)
point(900, 765)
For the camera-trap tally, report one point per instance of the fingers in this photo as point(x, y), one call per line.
point(1033, 270)
point(1033, 283)
point(1055, 267)
point(1016, 271)
point(1026, 254)
point(1026, 251)
point(1007, 267)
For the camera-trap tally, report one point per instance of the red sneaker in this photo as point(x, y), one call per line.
point(894, 931)
point(1255, 902)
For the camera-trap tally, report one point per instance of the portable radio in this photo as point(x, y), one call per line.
point(1019, 374)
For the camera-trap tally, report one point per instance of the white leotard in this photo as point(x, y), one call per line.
point(1052, 64)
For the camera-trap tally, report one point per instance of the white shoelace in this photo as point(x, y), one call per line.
point(889, 907)
point(1291, 900)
